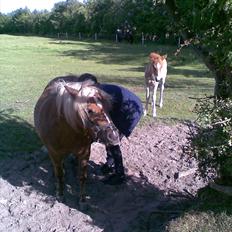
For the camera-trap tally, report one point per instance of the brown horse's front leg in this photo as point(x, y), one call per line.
point(57, 161)
point(83, 162)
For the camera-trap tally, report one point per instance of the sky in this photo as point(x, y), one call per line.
point(7, 6)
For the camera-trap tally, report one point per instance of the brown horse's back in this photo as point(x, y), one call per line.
point(70, 78)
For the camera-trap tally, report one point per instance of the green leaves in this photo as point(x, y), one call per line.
point(212, 142)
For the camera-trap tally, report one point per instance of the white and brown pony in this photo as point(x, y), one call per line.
point(68, 117)
point(155, 74)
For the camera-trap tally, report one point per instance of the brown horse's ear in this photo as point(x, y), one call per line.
point(73, 92)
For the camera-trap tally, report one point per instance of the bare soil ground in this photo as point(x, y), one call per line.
point(161, 181)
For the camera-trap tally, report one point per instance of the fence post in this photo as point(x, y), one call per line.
point(95, 36)
point(178, 41)
point(142, 39)
point(116, 37)
point(79, 35)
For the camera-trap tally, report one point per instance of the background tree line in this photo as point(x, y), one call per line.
point(92, 16)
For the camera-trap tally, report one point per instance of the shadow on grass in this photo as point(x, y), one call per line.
point(105, 54)
point(212, 200)
point(172, 83)
point(126, 54)
point(194, 83)
point(16, 135)
point(121, 80)
point(120, 53)
point(198, 73)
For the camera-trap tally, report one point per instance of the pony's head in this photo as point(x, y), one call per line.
point(85, 105)
point(157, 58)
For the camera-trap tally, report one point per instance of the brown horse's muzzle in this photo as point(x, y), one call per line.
point(109, 135)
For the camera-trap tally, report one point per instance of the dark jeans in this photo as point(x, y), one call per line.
point(114, 159)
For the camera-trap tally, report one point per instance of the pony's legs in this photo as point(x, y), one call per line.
point(154, 100)
point(83, 162)
point(57, 161)
point(161, 94)
point(147, 100)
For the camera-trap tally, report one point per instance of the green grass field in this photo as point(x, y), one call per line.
point(28, 63)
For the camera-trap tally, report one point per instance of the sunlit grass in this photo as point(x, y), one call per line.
point(202, 222)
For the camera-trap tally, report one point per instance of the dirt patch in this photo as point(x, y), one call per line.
point(161, 180)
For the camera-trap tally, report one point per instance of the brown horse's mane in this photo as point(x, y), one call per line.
point(70, 108)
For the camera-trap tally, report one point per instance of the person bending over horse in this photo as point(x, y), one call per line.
point(125, 113)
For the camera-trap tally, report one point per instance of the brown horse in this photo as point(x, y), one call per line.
point(68, 117)
point(155, 74)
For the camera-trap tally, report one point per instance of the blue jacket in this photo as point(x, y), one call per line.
point(127, 108)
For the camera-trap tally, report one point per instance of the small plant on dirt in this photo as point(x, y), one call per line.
point(212, 140)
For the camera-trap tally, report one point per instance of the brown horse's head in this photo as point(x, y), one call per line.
point(92, 106)
point(156, 58)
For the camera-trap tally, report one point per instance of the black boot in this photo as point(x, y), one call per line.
point(118, 177)
point(115, 179)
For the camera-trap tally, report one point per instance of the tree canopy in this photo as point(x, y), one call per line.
point(93, 16)
point(208, 24)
